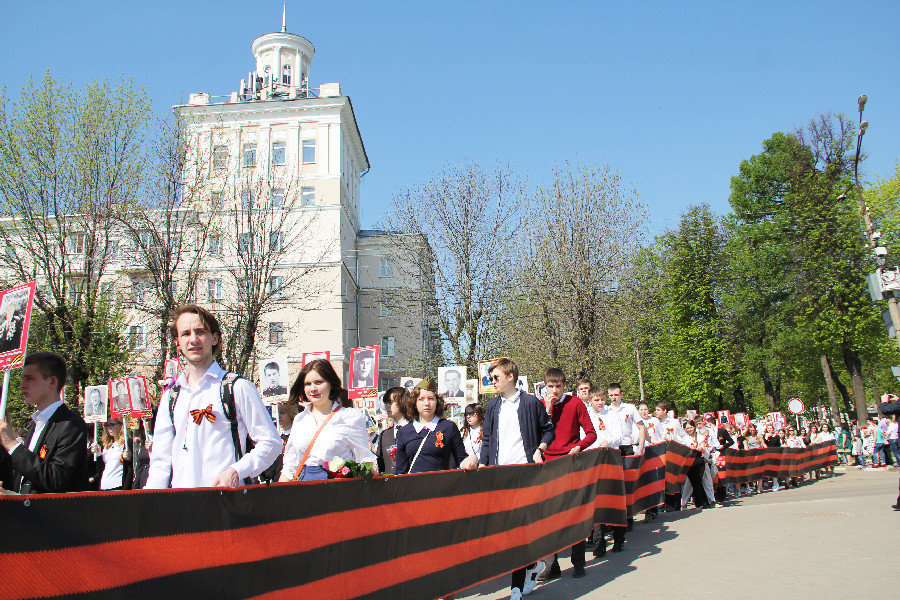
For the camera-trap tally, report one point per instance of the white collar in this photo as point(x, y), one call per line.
point(430, 424)
point(44, 415)
point(214, 371)
point(514, 398)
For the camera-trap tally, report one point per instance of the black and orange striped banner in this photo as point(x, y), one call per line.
point(742, 466)
point(416, 536)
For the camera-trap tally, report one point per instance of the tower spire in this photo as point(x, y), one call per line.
point(283, 9)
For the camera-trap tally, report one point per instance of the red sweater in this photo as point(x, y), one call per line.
point(569, 415)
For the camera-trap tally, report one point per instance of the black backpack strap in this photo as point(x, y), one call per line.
point(173, 398)
point(226, 394)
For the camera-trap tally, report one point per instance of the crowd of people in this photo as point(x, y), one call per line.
point(211, 428)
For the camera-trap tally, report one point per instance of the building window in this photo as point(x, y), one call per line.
point(175, 244)
point(387, 346)
point(173, 286)
point(387, 267)
point(136, 336)
point(75, 294)
point(286, 75)
point(385, 309)
point(76, 243)
point(279, 153)
point(276, 241)
point(309, 151)
point(244, 288)
point(245, 244)
point(307, 196)
point(247, 199)
point(277, 198)
point(275, 286)
point(220, 157)
point(106, 290)
point(112, 250)
point(214, 289)
point(216, 199)
point(137, 291)
point(276, 333)
point(248, 158)
point(215, 244)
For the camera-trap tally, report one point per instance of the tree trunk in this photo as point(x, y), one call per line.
point(770, 391)
point(637, 352)
point(829, 383)
point(854, 366)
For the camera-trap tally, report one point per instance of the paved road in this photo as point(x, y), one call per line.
point(832, 538)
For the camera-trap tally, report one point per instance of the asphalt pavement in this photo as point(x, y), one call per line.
point(832, 538)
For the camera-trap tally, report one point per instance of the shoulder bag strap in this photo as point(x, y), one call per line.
point(313, 441)
point(422, 445)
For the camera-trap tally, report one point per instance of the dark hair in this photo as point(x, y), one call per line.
point(412, 413)
point(663, 405)
point(478, 410)
point(323, 368)
point(272, 365)
point(395, 394)
point(614, 386)
point(581, 382)
point(49, 364)
point(554, 375)
point(206, 318)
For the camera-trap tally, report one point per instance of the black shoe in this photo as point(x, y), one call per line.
point(618, 547)
point(579, 571)
point(550, 572)
point(600, 549)
point(896, 506)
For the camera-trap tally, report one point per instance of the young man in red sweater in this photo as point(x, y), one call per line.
point(570, 417)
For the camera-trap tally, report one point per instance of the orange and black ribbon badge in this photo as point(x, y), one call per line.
point(601, 425)
point(207, 412)
point(43, 452)
point(439, 442)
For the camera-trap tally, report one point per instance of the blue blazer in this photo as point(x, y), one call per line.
point(435, 454)
point(534, 423)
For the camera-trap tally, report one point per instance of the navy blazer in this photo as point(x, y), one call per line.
point(63, 466)
point(435, 454)
point(534, 423)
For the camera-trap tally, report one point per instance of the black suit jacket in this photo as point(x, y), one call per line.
point(63, 467)
point(534, 423)
point(387, 439)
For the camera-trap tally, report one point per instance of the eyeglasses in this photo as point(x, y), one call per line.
point(495, 377)
point(470, 414)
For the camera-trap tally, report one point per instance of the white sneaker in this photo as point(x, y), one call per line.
point(515, 594)
point(531, 576)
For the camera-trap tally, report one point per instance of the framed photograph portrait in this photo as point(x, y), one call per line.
point(409, 383)
point(311, 356)
point(139, 397)
point(96, 401)
point(522, 383)
point(450, 382)
point(170, 369)
point(273, 380)
point(120, 404)
point(485, 383)
point(471, 391)
point(15, 318)
point(363, 370)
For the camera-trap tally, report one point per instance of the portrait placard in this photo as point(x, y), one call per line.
point(170, 370)
point(539, 389)
point(96, 401)
point(119, 403)
point(363, 371)
point(15, 319)
point(311, 356)
point(139, 397)
point(273, 380)
point(485, 383)
point(522, 383)
point(724, 417)
point(408, 383)
point(450, 382)
point(471, 391)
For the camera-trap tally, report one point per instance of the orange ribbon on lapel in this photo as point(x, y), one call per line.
point(207, 412)
point(43, 452)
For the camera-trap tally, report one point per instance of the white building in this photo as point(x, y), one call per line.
point(279, 164)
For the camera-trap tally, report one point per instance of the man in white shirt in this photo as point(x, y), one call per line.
point(631, 419)
point(511, 438)
point(608, 426)
point(669, 428)
point(194, 447)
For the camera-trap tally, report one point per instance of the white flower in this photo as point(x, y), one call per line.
point(336, 464)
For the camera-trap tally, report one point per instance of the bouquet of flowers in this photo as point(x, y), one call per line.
point(720, 462)
point(338, 468)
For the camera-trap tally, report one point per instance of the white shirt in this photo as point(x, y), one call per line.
point(611, 431)
point(511, 447)
point(419, 426)
point(795, 442)
point(893, 430)
point(629, 415)
point(472, 441)
point(193, 454)
point(40, 421)
point(651, 423)
point(112, 467)
point(822, 437)
point(670, 427)
point(344, 435)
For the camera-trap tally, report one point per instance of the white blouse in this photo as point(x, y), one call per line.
point(345, 436)
point(472, 442)
point(112, 467)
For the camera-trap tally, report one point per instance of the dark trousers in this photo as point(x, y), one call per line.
point(617, 530)
point(518, 577)
point(695, 476)
point(577, 554)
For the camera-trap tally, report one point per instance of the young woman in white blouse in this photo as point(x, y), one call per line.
point(328, 428)
point(113, 460)
point(471, 431)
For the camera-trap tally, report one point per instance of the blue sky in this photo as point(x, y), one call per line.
point(672, 94)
